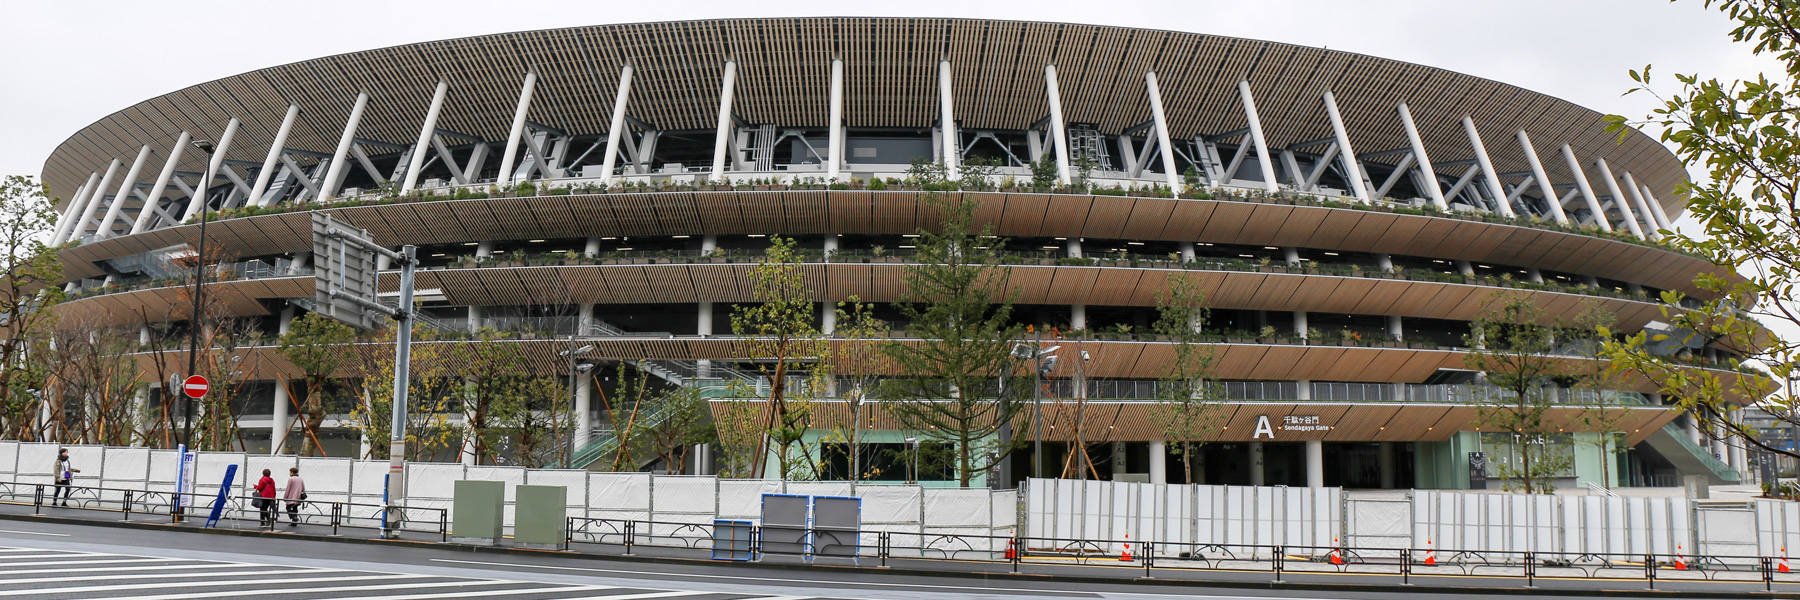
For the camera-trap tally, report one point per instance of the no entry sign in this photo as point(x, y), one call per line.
point(194, 387)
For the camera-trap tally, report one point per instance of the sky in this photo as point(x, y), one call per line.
point(69, 64)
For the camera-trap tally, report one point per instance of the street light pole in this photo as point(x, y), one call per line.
point(200, 191)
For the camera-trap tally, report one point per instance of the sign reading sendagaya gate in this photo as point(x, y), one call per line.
point(1289, 423)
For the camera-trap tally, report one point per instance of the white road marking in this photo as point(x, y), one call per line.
point(353, 588)
point(9, 565)
point(462, 594)
point(93, 578)
point(960, 588)
point(33, 533)
point(134, 586)
point(137, 568)
point(671, 594)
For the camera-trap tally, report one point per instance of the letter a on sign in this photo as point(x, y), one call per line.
point(1263, 428)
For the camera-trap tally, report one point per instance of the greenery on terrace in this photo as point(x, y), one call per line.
point(971, 182)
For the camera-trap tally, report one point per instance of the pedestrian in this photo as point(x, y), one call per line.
point(64, 474)
point(294, 494)
point(265, 499)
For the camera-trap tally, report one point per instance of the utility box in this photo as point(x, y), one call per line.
point(540, 514)
point(478, 512)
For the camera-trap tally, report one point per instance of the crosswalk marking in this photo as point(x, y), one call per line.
point(134, 586)
point(100, 577)
point(27, 573)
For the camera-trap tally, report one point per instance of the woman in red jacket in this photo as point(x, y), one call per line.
point(265, 499)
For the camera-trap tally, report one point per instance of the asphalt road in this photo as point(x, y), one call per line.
point(49, 560)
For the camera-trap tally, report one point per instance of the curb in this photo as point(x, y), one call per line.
point(915, 572)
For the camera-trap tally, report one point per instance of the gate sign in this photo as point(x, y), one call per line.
point(194, 387)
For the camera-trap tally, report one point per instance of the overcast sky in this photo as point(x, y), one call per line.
point(67, 64)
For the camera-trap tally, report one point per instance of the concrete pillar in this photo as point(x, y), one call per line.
point(1396, 328)
point(1384, 456)
point(1384, 262)
point(1533, 275)
point(705, 324)
point(1291, 256)
point(1303, 390)
point(584, 319)
point(1256, 463)
point(278, 422)
point(593, 247)
point(1078, 316)
point(1159, 462)
point(1315, 463)
point(1074, 247)
point(1187, 252)
point(584, 407)
point(140, 412)
point(1300, 324)
point(1465, 267)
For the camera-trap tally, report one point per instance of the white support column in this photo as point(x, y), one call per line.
point(1543, 179)
point(104, 229)
point(334, 174)
point(1159, 462)
point(1167, 150)
point(616, 127)
point(1290, 255)
point(1057, 130)
point(1487, 166)
point(1300, 324)
point(1347, 153)
point(77, 209)
point(276, 147)
point(427, 130)
point(1187, 252)
point(212, 166)
point(1315, 463)
point(162, 183)
point(1587, 189)
point(1656, 208)
point(584, 407)
point(94, 199)
point(947, 119)
point(1643, 208)
point(1619, 200)
point(835, 139)
point(1256, 463)
point(1418, 147)
point(720, 141)
point(510, 157)
point(1256, 135)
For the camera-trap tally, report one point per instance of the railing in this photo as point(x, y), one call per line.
point(236, 510)
point(1060, 556)
point(1718, 467)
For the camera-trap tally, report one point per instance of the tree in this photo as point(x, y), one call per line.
point(680, 420)
point(1512, 348)
point(318, 346)
point(856, 362)
point(29, 278)
point(1187, 400)
point(955, 387)
point(782, 333)
point(1745, 134)
point(431, 398)
point(1603, 409)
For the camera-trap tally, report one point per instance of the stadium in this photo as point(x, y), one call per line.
point(601, 192)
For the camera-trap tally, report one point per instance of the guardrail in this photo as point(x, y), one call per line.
point(1279, 561)
point(236, 509)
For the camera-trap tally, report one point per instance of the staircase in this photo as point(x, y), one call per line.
point(1673, 444)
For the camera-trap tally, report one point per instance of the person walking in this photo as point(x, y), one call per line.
point(265, 499)
point(294, 495)
point(64, 474)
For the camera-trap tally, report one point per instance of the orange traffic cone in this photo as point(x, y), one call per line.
point(1126, 555)
point(1337, 557)
point(1680, 561)
point(1430, 553)
point(1010, 552)
point(1782, 567)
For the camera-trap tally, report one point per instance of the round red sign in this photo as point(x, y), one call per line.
point(194, 387)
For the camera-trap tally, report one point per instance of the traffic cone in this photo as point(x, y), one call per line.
point(1430, 553)
point(1782, 567)
point(1680, 561)
point(1337, 558)
point(1010, 552)
point(1126, 555)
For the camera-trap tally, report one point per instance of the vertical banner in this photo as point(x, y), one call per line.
point(224, 491)
point(184, 478)
point(1477, 471)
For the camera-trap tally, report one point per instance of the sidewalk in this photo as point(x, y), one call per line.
point(1299, 573)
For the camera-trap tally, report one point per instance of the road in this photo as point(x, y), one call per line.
point(49, 560)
